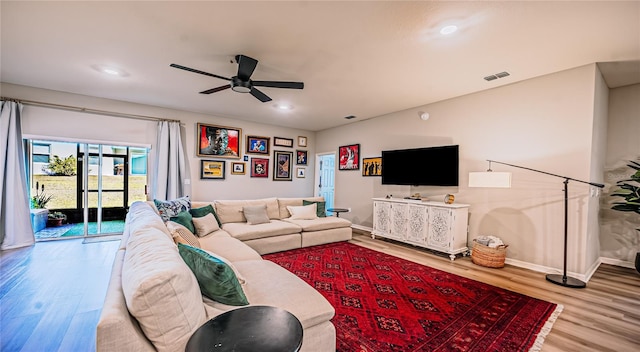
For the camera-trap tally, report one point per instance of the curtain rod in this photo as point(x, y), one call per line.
point(88, 110)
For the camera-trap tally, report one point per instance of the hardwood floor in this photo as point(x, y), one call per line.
point(51, 295)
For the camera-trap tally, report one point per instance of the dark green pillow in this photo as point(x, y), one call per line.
point(200, 212)
point(184, 219)
point(320, 210)
point(215, 278)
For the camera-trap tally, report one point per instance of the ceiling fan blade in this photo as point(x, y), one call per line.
point(198, 71)
point(261, 96)
point(213, 90)
point(246, 66)
point(276, 84)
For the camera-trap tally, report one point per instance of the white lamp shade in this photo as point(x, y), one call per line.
point(490, 179)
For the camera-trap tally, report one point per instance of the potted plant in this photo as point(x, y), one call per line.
point(40, 200)
point(56, 219)
point(629, 189)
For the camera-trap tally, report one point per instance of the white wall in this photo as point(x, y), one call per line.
point(619, 239)
point(57, 124)
point(544, 123)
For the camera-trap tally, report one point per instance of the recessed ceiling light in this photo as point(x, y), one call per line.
point(446, 30)
point(110, 70)
point(283, 107)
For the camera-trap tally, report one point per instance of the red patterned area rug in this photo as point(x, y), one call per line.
point(384, 303)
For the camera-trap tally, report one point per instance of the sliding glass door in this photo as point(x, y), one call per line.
point(90, 186)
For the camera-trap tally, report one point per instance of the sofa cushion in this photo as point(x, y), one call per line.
point(216, 278)
point(170, 208)
point(231, 210)
point(319, 224)
point(270, 284)
point(296, 202)
point(321, 210)
point(303, 212)
point(220, 242)
point(181, 234)
point(160, 290)
point(184, 219)
point(202, 211)
point(244, 231)
point(256, 214)
point(205, 225)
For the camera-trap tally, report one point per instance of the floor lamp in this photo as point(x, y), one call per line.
point(503, 180)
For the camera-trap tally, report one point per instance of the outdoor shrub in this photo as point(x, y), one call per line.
point(62, 167)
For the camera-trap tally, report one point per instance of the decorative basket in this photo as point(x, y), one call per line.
point(488, 256)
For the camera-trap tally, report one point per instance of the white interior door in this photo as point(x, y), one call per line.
point(325, 177)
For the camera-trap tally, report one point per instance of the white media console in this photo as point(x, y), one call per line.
point(433, 225)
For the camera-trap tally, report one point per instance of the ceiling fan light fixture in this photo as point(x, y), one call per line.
point(240, 86)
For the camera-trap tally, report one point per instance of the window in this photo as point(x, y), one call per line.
point(41, 152)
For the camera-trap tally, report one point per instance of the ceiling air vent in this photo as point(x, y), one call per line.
point(496, 76)
point(349, 117)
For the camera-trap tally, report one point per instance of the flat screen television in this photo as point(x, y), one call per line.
point(433, 166)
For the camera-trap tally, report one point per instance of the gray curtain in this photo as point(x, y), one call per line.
point(171, 170)
point(15, 218)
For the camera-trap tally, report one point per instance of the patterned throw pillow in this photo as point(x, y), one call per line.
point(182, 234)
point(170, 208)
point(320, 211)
point(216, 279)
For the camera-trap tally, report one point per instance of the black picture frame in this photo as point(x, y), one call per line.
point(282, 167)
point(212, 169)
point(283, 142)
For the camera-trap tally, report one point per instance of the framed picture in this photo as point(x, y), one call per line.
point(283, 142)
point(218, 141)
point(257, 145)
point(237, 168)
point(372, 166)
point(349, 157)
point(301, 157)
point(259, 167)
point(211, 170)
point(302, 141)
point(300, 172)
point(282, 165)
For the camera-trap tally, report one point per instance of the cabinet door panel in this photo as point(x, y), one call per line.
point(440, 228)
point(398, 220)
point(381, 218)
point(417, 224)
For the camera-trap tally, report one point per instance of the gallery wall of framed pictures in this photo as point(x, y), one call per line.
point(217, 141)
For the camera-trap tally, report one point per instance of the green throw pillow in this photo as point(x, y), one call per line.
point(184, 219)
point(320, 211)
point(215, 278)
point(200, 212)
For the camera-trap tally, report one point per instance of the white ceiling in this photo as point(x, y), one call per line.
point(361, 58)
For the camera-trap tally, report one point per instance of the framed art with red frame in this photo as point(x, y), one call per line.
point(349, 157)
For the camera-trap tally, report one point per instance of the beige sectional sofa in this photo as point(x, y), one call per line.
point(153, 300)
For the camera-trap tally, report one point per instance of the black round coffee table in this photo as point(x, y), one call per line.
point(253, 328)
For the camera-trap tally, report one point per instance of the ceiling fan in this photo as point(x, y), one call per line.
point(242, 82)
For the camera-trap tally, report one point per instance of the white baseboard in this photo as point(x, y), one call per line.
point(545, 269)
point(617, 262)
point(363, 228)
